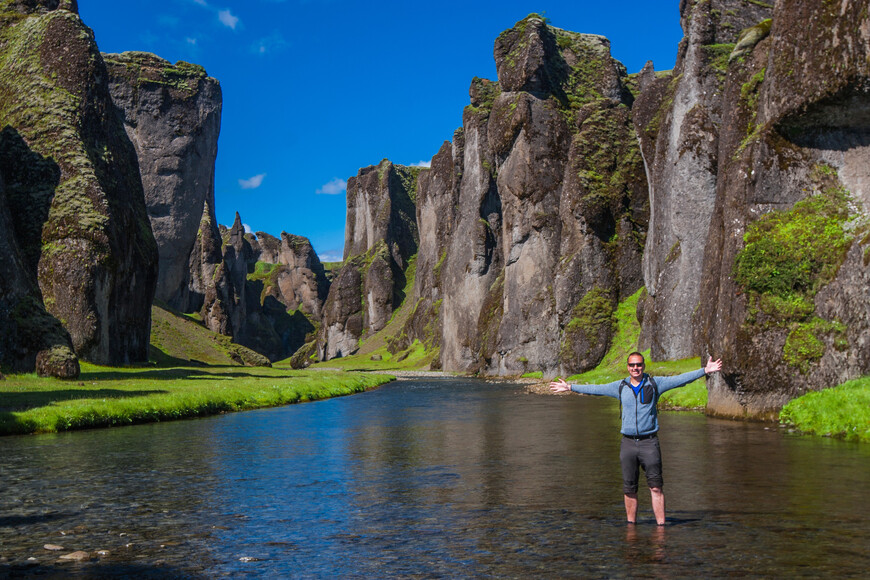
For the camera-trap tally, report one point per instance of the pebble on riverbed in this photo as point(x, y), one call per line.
point(53, 547)
point(76, 556)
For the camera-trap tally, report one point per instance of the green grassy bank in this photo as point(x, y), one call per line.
point(105, 397)
point(842, 412)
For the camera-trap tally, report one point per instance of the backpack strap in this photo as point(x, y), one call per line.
point(652, 381)
point(619, 396)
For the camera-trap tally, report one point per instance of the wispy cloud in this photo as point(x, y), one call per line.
point(252, 182)
point(331, 256)
point(227, 19)
point(248, 229)
point(190, 40)
point(334, 187)
point(422, 164)
point(270, 44)
point(201, 2)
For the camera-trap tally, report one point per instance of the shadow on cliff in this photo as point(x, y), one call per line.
point(30, 181)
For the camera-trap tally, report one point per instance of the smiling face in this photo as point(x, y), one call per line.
point(635, 367)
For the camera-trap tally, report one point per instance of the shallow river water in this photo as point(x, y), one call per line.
point(430, 478)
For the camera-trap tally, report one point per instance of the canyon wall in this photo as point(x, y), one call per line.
point(785, 298)
point(72, 185)
point(172, 115)
point(381, 237)
point(532, 220)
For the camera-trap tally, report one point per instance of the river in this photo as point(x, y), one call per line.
point(430, 478)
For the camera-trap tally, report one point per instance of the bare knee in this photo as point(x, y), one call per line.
point(656, 491)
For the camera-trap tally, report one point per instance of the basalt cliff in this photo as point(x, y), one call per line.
point(81, 262)
point(730, 192)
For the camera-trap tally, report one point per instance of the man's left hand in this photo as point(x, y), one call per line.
point(713, 366)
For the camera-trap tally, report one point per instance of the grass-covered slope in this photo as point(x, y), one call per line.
point(177, 339)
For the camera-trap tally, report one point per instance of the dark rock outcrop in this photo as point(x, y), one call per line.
point(172, 116)
point(785, 292)
point(381, 237)
point(79, 215)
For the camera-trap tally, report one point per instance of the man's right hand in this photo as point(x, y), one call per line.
point(560, 386)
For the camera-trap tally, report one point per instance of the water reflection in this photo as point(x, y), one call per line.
point(433, 478)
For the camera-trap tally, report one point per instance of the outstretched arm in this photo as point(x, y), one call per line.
point(607, 390)
point(668, 383)
point(560, 386)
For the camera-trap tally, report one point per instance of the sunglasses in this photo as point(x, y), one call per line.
point(635, 364)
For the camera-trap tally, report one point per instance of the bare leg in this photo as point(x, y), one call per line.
point(631, 507)
point(658, 504)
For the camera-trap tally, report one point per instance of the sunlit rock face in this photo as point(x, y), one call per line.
point(784, 297)
point(73, 189)
point(381, 238)
point(172, 115)
point(532, 219)
point(679, 117)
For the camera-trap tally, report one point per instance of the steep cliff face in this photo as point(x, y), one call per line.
point(678, 118)
point(31, 338)
point(785, 299)
point(172, 115)
point(532, 220)
point(381, 237)
point(79, 215)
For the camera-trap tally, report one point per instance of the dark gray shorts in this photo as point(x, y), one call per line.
point(645, 453)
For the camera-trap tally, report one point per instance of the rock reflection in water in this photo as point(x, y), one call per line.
point(432, 477)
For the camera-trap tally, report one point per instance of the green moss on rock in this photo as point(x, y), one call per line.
point(787, 258)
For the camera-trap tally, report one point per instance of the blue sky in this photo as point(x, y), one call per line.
point(313, 90)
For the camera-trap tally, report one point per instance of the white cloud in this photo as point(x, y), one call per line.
point(422, 164)
point(248, 229)
point(331, 256)
point(227, 19)
point(201, 2)
point(334, 187)
point(191, 41)
point(252, 182)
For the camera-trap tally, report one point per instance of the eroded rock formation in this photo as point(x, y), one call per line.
point(381, 237)
point(679, 117)
point(78, 214)
point(785, 297)
point(532, 219)
point(172, 116)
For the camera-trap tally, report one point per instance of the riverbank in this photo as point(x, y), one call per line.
point(108, 397)
point(842, 412)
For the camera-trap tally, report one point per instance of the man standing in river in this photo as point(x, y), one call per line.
point(638, 402)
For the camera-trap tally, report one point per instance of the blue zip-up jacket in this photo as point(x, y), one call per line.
point(639, 417)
